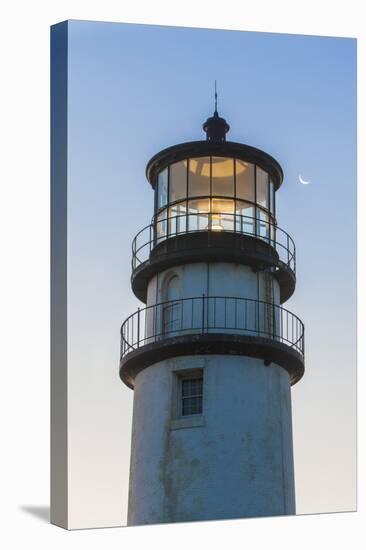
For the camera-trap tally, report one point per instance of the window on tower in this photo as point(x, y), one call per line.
point(191, 391)
point(187, 397)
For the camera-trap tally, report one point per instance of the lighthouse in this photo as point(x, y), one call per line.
point(212, 353)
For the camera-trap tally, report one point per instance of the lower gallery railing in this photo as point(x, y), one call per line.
point(211, 314)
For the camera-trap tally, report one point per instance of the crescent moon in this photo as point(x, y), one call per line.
point(303, 181)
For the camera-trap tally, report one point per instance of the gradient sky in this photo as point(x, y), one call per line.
point(135, 89)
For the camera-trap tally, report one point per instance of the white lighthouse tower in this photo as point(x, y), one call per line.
point(213, 355)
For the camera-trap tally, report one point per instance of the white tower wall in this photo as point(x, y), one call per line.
point(236, 459)
point(213, 279)
point(233, 461)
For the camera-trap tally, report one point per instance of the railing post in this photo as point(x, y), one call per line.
point(138, 327)
point(155, 308)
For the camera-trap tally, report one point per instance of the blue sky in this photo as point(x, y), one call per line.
point(135, 89)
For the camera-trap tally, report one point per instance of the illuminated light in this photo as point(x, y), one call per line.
point(215, 223)
point(216, 227)
point(223, 206)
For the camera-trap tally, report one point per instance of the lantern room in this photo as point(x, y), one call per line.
point(214, 193)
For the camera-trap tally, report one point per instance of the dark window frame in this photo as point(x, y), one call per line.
point(182, 378)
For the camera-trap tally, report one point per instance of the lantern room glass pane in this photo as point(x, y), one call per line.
point(263, 226)
point(199, 177)
point(162, 188)
point(178, 181)
point(245, 218)
point(161, 226)
point(272, 198)
point(262, 187)
point(244, 180)
point(222, 176)
point(198, 214)
point(177, 222)
point(222, 217)
point(223, 206)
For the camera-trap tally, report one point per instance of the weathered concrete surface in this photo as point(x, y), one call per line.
point(237, 462)
point(213, 279)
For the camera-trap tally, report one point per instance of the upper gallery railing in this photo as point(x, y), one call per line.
point(160, 230)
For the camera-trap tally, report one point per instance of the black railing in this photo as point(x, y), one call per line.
point(211, 314)
point(160, 230)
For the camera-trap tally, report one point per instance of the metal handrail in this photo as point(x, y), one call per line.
point(211, 314)
point(161, 230)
